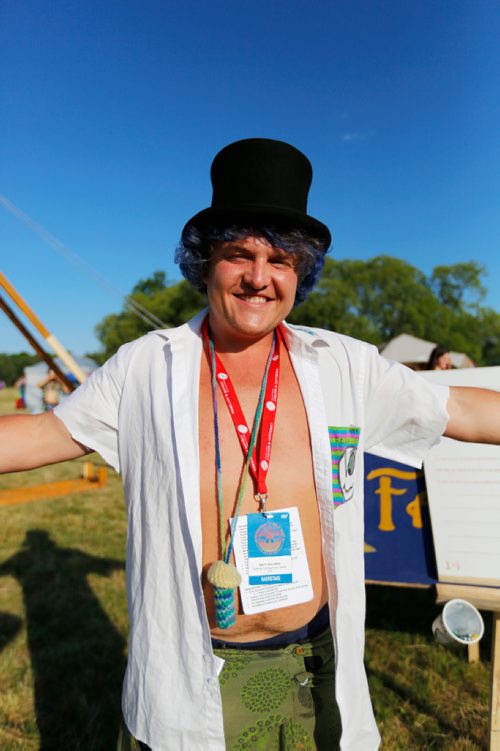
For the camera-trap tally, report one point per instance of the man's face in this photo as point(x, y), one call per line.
point(251, 288)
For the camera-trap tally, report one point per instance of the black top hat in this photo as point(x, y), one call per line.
point(259, 178)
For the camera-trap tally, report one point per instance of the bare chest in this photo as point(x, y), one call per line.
point(290, 482)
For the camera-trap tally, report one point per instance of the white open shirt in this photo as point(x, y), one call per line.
point(140, 412)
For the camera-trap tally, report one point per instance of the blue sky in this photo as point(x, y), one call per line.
point(112, 112)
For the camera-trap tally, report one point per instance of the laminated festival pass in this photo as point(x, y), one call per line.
point(259, 598)
point(269, 548)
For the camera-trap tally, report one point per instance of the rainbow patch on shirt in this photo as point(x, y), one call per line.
point(343, 446)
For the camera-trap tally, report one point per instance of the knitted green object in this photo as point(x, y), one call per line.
point(224, 577)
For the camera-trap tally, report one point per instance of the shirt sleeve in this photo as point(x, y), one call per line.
point(91, 412)
point(405, 414)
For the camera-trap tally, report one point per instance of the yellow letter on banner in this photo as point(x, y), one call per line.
point(386, 492)
point(414, 509)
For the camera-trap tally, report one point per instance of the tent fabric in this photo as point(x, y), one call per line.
point(415, 352)
point(35, 373)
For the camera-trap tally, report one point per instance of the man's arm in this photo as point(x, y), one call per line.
point(29, 441)
point(474, 415)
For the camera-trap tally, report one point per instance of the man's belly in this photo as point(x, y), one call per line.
point(264, 625)
point(255, 626)
point(273, 622)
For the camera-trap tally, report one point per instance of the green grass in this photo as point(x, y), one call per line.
point(8, 398)
point(63, 618)
point(63, 628)
point(425, 696)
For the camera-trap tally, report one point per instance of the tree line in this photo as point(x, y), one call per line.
point(12, 366)
point(373, 300)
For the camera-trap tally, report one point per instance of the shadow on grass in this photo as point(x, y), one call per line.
point(409, 610)
point(77, 654)
point(9, 626)
point(412, 610)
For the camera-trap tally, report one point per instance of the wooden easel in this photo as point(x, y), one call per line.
point(483, 598)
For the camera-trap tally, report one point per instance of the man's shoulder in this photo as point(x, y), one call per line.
point(332, 339)
point(154, 342)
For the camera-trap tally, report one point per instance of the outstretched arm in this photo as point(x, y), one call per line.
point(28, 441)
point(474, 415)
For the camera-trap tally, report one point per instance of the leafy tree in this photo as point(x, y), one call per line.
point(172, 304)
point(151, 285)
point(372, 300)
point(459, 286)
point(378, 299)
point(12, 366)
point(490, 339)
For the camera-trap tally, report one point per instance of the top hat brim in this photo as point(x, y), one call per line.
point(260, 213)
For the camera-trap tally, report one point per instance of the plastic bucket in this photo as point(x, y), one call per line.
point(459, 623)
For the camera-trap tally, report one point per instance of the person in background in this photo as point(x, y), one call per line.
point(52, 390)
point(439, 359)
point(20, 384)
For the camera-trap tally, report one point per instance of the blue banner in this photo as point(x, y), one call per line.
point(398, 536)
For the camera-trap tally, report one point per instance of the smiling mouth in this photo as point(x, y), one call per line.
point(254, 299)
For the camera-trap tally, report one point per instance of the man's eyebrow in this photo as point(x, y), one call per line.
point(233, 245)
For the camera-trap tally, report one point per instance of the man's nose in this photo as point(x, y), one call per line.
point(257, 274)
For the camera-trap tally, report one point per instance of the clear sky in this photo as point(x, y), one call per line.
point(111, 113)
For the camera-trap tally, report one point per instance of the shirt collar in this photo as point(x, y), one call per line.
point(311, 337)
point(191, 328)
point(298, 338)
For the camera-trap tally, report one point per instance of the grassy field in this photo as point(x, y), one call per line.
point(63, 629)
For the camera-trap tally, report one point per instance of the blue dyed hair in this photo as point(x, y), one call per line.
point(194, 250)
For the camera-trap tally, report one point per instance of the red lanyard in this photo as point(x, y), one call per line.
point(259, 466)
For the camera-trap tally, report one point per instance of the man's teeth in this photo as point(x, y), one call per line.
point(256, 299)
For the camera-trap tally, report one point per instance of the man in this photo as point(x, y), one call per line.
point(178, 412)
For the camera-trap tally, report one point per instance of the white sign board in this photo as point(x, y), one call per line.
point(463, 487)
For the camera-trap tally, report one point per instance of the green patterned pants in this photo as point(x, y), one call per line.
point(280, 699)
point(277, 699)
